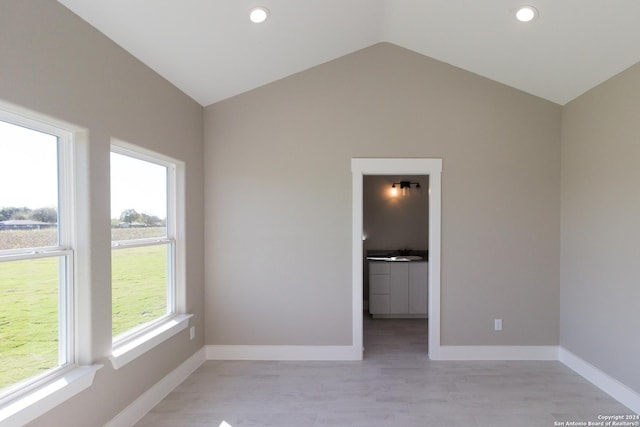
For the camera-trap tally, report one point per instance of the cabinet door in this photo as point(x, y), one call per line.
point(379, 303)
point(418, 287)
point(399, 288)
point(378, 284)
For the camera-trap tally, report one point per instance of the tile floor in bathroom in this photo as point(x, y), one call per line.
point(396, 385)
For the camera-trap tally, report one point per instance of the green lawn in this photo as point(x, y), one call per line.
point(28, 319)
point(29, 306)
point(139, 286)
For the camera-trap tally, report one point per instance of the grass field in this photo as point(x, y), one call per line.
point(28, 319)
point(20, 239)
point(29, 301)
point(139, 286)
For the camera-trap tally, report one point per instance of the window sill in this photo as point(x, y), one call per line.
point(136, 347)
point(30, 406)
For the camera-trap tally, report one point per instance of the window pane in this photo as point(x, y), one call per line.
point(139, 285)
point(138, 198)
point(29, 331)
point(28, 188)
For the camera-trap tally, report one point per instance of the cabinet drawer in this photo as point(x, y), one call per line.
point(379, 284)
point(379, 268)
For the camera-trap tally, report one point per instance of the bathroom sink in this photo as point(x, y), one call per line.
point(399, 258)
point(405, 258)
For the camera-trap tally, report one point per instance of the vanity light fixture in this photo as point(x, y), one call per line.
point(258, 14)
point(405, 187)
point(526, 13)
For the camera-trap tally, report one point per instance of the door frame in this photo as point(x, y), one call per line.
point(397, 166)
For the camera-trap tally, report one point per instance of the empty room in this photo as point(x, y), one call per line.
point(319, 213)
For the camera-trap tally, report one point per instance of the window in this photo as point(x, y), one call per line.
point(36, 253)
point(146, 281)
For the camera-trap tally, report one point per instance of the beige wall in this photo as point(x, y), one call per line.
point(54, 63)
point(278, 199)
point(600, 290)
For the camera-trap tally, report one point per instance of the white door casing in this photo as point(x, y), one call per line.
point(398, 166)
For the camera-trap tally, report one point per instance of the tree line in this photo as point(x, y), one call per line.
point(131, 217)
point(49, 215)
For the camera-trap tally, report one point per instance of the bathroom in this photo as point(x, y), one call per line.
point(395, 239)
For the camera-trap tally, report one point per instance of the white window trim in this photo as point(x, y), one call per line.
point(130, 350)
point(146, 337)
point(38, 397)
point(30, 406)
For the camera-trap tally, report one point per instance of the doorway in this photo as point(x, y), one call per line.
point(395, 222)
point(379, 166)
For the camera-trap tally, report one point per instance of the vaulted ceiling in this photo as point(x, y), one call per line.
point(211, 51)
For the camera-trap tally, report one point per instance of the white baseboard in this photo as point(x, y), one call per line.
point(608, 384)
point(292, 352)
point(282, 352)
point(150, 398)
point(496, 352)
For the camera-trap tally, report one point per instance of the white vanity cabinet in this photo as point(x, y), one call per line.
point(398, 289)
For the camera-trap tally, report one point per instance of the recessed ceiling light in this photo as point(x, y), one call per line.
point(526, 13)
point(258, 14)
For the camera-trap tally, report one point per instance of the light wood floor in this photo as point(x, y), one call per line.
point(395, 386)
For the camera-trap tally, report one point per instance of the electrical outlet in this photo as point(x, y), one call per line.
point(192, 332)
point(497, 324)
